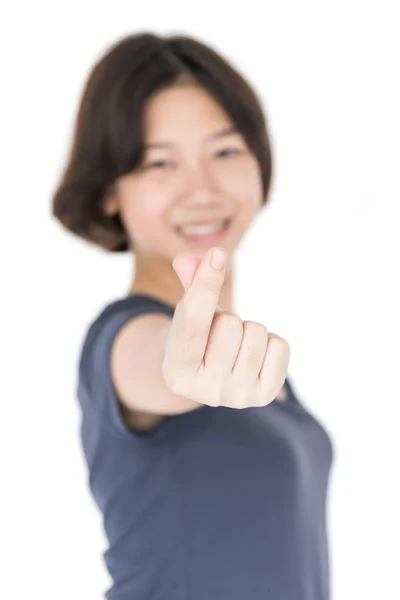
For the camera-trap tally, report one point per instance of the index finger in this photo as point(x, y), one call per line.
point(194, 314)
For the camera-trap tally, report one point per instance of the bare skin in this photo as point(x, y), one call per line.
point(195, 170)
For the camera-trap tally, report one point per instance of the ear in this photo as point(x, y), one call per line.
point(110, 204)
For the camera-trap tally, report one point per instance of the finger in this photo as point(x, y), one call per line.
point(274, 370)
point(195, 312)
point(223, 345)
point(185, 266)
point(251, 354)
point(214, 375)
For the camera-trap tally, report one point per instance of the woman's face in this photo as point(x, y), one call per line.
point(196, 170)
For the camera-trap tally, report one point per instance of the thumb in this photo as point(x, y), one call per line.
point(185, 266)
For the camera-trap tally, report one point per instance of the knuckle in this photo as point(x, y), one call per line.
point(255, 328)
point(279, 343)
point(173, 379)
point(241, 403)
point(175, 383)
point(256, 334)
point(230, 321)
point(176, 379)
point(262, 395)
point(211, 389)
point(239, 398)
point(264, 399)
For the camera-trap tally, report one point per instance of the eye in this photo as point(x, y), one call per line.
point(159, 164)
point(227, 152)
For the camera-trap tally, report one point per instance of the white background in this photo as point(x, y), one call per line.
point(321, 267)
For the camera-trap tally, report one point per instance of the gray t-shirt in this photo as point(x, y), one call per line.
point(214, 504)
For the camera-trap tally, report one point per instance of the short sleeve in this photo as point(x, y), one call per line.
point(96, 391)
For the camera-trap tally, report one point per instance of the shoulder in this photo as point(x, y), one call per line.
point(96, 385)
point(112, 317)
point(101, 332)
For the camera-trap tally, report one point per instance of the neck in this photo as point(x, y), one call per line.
point(161, 282)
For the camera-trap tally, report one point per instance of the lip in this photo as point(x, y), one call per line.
point(206, 240)
point(198, 223)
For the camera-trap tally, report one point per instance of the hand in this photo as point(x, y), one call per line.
point(211, 356)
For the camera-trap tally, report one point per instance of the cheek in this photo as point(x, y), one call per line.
point(142, 206)
point(142, 202)
point(242, 181)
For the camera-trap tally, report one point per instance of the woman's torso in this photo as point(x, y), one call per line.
point(216, 503)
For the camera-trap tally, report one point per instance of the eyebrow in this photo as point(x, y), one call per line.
point(215, 136)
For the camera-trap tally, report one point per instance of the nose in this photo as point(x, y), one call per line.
point(200, 187)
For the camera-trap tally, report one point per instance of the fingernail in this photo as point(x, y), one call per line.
point(218, 259)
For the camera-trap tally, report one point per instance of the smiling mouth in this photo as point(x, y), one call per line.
point(204, 233)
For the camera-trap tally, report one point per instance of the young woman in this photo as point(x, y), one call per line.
point(211, 476)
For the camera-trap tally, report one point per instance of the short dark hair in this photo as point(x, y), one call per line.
point(108, 137)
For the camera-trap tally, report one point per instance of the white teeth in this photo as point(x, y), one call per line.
point(202, 229)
